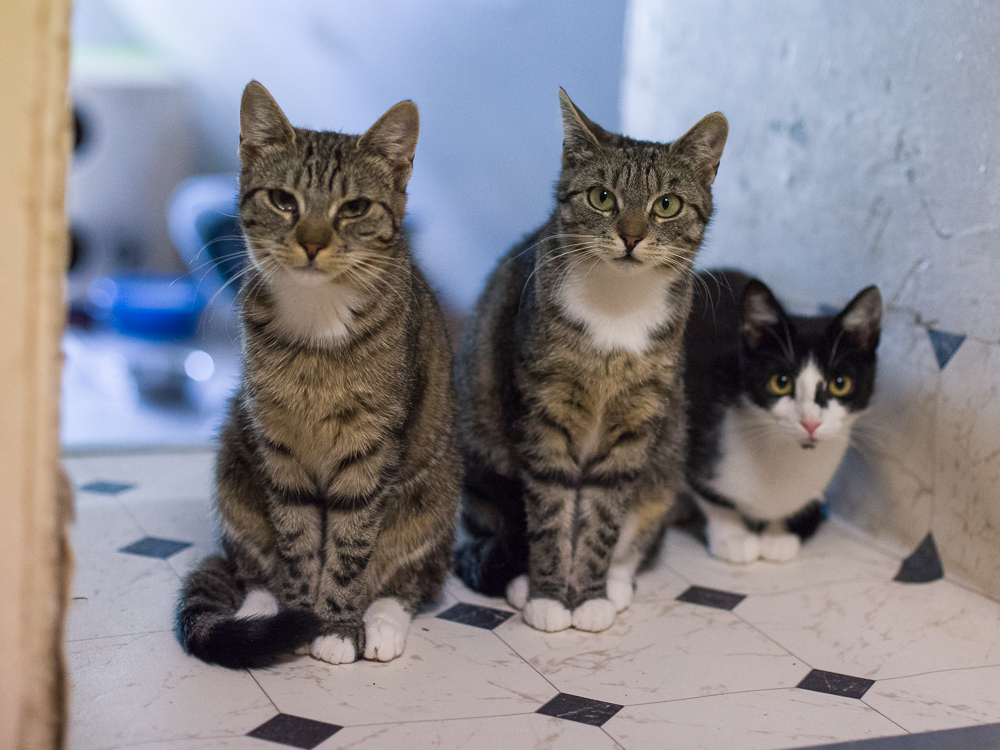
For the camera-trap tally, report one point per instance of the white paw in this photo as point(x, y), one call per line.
point(779, 547)
point(547, 614)
point(386, 623)
point(333, 649)
point(259, 603)
point(737, 548)
point(594, 615)
point(517, 592)
point(620, 592)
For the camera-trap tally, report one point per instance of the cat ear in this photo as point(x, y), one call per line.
point(761, 312)
point(862, 318)
point(262, 123)
point(579, 132)
point(702, 145)
point(394, 137)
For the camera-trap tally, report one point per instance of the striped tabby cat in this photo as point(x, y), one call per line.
point(337, 476)
point(570, 395)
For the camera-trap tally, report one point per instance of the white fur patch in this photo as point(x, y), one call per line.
point(594, 615)
point(333, 650)
point(517, 592)
point(386, 623)
point(619, 306)
point(259, 603)
point(313, 309)
point(547, 614)
point(779, 547)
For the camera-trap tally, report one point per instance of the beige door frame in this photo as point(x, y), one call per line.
point(34, 149)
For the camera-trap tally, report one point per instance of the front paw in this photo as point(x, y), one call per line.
point(736, 548)
point(594, 615)
point(517, 592)
point(334, 649)
point(547, 614)
point(386, 623)
point(620, 592)
point(779, 547)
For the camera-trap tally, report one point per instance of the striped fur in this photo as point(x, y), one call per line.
point(571, 413)
point(337, 476)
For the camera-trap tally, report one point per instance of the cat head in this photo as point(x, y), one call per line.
point(637, 205)
point(813, 374)
point(322, 206)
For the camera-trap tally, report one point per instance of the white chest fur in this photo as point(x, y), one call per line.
point(766, 471)
point(620, 307)
point(314, 311)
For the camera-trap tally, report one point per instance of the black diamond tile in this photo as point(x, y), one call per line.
point(486, 618)
point(945, 345)
point(150, 546)
point(923, 566)
point(711, 597)
point(833, 683)
point(294, 731)
point(583, 710)
point(107, 488)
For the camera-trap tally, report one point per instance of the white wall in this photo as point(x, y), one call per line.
point(864, 147)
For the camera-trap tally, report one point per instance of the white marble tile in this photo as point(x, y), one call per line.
point(967, 511)
point(448, 671)
point(208, 743)
point(886, 483)
point(764, 720)
point(835, 554)
point(657, 650)
point(941, 700)
point(532, 731)
point(144, 688)
point(182, 520)
point(172, 476)
point(103, 524)
point(881, 630)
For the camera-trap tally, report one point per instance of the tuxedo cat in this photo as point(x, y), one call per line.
point(771, 401)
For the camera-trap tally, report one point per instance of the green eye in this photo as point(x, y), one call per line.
point(601, 198)
point(283, 201)
point(355, 208)
point(668, 206)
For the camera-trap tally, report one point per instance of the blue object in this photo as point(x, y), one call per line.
point(155, 307)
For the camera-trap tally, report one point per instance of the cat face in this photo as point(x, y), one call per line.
point(812, 375)
point(633, 204)
point(316, 206)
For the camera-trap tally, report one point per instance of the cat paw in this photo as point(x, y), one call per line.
point(517, 592)
point(386, 623)
point(547, 614)
point(738, 548)
point(333, 649)
point(779, 547)
point(594, 615)
point(259, 603)
point(620, 592)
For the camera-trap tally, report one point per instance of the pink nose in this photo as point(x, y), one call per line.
point(811, 427)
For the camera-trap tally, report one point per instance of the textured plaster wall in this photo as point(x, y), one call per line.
point(864, 148)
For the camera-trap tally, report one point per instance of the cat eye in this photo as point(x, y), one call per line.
point(780, 385)
point(840, 387)
point(667, 206)
point(602, 199)
point(355, 208)
point(283, 201)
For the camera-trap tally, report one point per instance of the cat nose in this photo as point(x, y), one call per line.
point(810, 426)
point(630, 242)
point(312, 249)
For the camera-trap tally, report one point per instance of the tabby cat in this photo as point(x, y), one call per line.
point(570, 396)
point(772, 398)
point(338, 478)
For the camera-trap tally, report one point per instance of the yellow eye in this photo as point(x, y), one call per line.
point(667, 206)
point(841, 386)
point(355, 208)
point(601, 198)
point(780, 385)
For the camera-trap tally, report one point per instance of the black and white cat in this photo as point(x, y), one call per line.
point(771, 401)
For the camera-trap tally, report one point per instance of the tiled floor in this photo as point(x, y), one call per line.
point(827, 649)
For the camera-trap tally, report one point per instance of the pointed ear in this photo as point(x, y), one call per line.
point(761, 312)
point(862, 318)
point(394, 137)
point(262, 123)
point(579, 132)
point(702, 145)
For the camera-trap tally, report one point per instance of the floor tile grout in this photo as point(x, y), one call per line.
point(862, 699)
point(519, 656)
point(120, 635)
point(269, 698)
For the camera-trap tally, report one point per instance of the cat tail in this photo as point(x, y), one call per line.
point(207, 626)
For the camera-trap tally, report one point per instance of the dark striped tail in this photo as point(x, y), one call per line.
point(208, 629)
